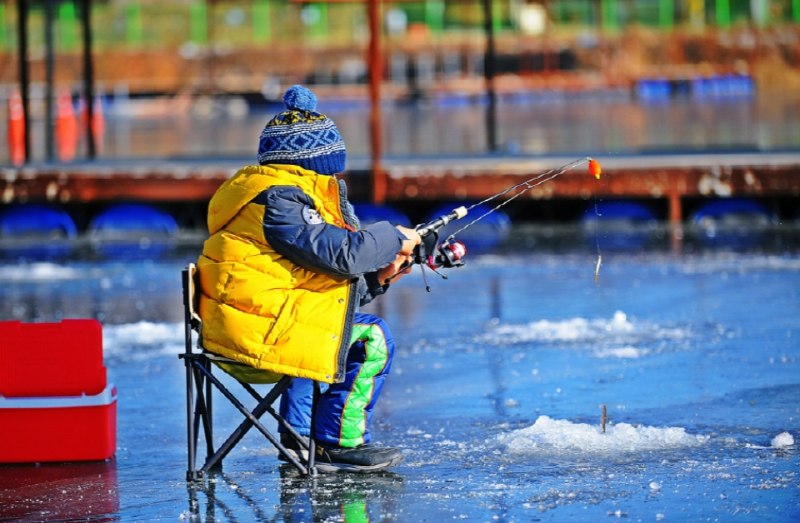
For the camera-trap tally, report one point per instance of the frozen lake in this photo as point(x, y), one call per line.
point(495, 396)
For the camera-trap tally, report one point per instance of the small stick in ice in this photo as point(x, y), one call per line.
point(603, 417)
point(597, 268)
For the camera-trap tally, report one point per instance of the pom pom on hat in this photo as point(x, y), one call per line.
point(299, 98)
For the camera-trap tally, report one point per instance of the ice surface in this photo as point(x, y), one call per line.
point(702, 345)
point(740, 264)
point(782, 440)
point(548, 435)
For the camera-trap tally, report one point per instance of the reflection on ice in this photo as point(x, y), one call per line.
point(548, 435)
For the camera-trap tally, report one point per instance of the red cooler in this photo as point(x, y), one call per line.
point(55, 403)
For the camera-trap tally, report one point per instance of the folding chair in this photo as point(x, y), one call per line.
point(200, 383)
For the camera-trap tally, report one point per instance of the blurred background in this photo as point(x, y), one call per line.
point(421, 91)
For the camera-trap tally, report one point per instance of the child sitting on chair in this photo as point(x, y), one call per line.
point(283, 273)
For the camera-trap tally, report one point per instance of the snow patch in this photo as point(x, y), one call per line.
point(548, 435)
point(782, 440)
point(38, 272)
point(127, 341)
point(622, 352)
point(143, 333)
point(617, 329)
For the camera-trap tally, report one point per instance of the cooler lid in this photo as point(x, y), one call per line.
point(51, 359)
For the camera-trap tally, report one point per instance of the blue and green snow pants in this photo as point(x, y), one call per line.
point(345, 409)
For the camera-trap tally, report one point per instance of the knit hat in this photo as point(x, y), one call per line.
point(301, 136)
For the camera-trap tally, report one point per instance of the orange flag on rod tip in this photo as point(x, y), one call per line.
point(16, 129)
point(66, 127)
point(594, 168)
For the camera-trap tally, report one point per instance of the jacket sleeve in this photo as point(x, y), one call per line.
point(290, 228)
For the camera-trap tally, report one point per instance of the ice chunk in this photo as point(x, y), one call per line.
point(782, 440)
point(548, 435)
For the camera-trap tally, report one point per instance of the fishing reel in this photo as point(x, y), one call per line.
point(435, 255)
point(446, 255)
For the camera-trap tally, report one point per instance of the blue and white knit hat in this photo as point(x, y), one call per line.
point(300, 136)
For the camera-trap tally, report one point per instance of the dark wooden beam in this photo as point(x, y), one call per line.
point(24, 71)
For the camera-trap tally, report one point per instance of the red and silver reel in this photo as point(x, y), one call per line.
point(448, 255)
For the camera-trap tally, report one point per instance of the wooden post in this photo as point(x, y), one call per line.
point(375, 77)
point(676, 220)
point(49, 138)
point(24, 77)
point(88, 77)
point(488, 71)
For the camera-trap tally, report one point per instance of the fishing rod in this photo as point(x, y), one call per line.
point(451, 252)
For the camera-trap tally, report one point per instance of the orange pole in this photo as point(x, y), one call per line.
point(88, 77)
point(676, 221)
point(66, 127)
point(16, 129)
point(375, 78)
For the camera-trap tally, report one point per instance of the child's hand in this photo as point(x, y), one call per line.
point(412, 241)
point(401, 265)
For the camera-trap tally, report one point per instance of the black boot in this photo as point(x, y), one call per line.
point(297, 451)
point(364, 458)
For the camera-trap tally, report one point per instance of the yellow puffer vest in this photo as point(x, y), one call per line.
point(257, 306)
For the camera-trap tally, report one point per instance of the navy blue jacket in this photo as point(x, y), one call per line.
point(293, 229)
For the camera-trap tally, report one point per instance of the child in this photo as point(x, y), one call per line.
point(283, 273)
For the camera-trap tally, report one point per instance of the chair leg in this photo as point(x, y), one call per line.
point(279, 389)
point(209, 419)
point(191, 472)
point(202, 410)
point(312, 442)
point(251, 420)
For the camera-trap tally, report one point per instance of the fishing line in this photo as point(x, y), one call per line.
point(597, 237)
point(451, 252)
point(528, 184)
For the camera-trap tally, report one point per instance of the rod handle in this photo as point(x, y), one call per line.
point(433, 226)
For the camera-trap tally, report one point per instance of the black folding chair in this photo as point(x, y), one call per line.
point(200, 383)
